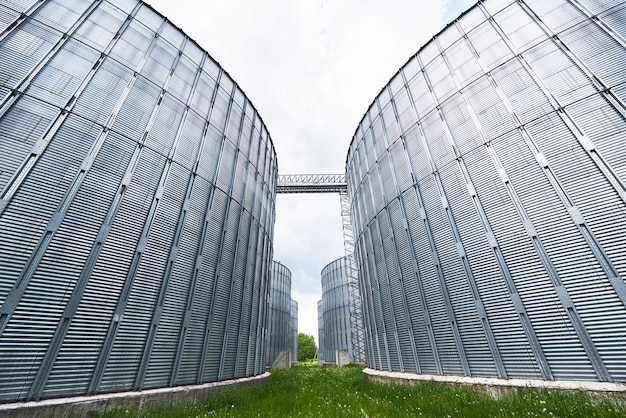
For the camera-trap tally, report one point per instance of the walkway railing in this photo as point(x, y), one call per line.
point(311, 183)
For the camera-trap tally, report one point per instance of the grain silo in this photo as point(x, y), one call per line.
point(337, 328)
point(293, 331)
point(320, 331)
point(488, 196)
point(137, 189)
point(279, 319)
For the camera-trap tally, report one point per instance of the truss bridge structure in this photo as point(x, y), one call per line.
point(311, 183)
point(335, 183)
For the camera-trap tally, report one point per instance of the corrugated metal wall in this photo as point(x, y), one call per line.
point(320, 331)
point(337, 329)
point(488, 186)
point(279, 332)
point(137, 187)
point(293, 330)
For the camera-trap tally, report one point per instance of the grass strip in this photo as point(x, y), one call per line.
point(307, 391)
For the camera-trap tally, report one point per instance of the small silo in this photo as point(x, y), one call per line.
point(278, 350)
point(320, 331)
point(337, 329)
point(293, 331)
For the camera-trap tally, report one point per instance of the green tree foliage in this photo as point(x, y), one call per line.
point(306, 347)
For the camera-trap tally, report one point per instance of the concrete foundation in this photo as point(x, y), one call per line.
point(283, 360)
point(500, 387)
point(343, 357)
point(131, 402)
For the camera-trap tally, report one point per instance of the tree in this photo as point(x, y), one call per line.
point(306, 347)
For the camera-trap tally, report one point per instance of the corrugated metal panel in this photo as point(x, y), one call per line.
point(133, 44)
point(439, 78)
point(95, 201)
point(133, 330)
point(491, 48)
point(517, 179)
point(22, 50)
point(9, 14)
point(241, 322)
point(597, 50)
point(111, 80)
point(198, 303)
point(100, 26)
point(335, 305)
point(159, 61)
point(398, 261)
point(615, 18)
point(41, 189)
point(134, 115)
point(524, 95)
point(564, 80)
point(386, 303)
point(171, 302)
point(591, 192)
point(279, 312)
point(526, 178)
point(60, 78)
point(464, 61)
point(420, 317)
point(229, 265)
point(162, 134)
point(519, 27)
point(432, 277)
point(293, 330)
point(557, 14)
point(597, 6)
point(604, 126)
point(61, 15)
point(95, 216)
point(211, 259)
point(21, 127)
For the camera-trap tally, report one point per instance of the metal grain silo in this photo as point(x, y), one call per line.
point(137, 188)
point(278, 341)
point(293, 331)
point(337, 333)
point(320, 331)
point(488, 187)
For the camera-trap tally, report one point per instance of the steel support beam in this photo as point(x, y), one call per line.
point(311, 183)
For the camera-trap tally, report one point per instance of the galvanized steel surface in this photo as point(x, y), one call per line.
point(311, 183)
point(320, 331)
point(293, 330)
point(137, 187)
point(278, 335)
point(489, 200)
point(337, 327)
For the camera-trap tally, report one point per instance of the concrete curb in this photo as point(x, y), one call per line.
point(501, 387)
point(84, 406)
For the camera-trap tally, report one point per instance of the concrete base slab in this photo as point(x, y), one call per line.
point(133, 402)
point(501, 387)
point(343, 357)
point(283, 360)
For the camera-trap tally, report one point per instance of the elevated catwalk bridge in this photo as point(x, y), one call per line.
point(311, 183)
point(335, 183)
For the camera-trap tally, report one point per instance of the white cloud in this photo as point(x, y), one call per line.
point(311, 68)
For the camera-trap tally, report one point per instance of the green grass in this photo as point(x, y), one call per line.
point(311, 391)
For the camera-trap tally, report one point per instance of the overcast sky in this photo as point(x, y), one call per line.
point(311, 68)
